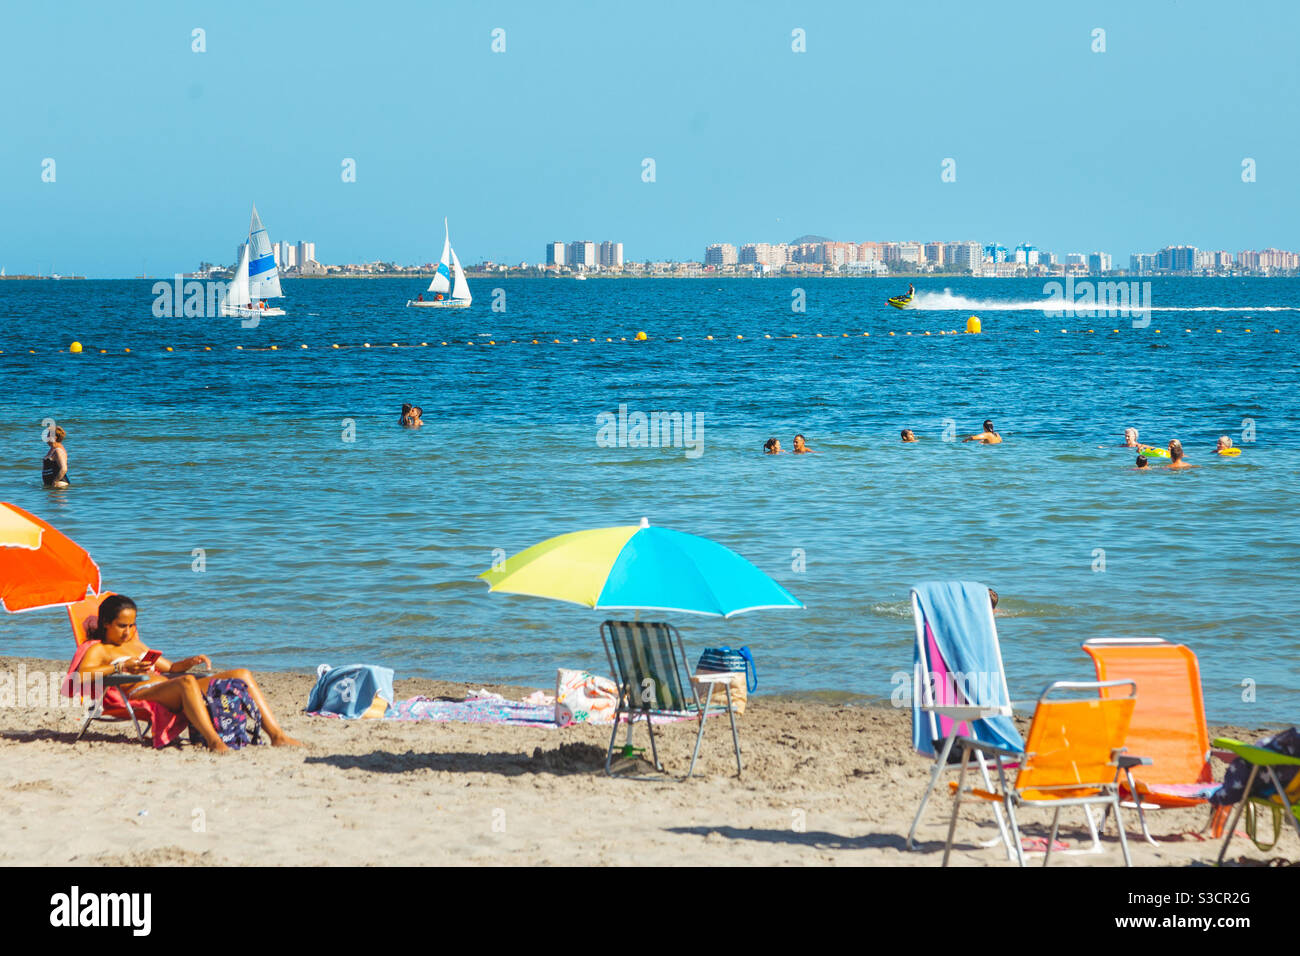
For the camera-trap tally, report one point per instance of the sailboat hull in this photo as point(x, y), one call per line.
point(444, 304)
point(239, 312)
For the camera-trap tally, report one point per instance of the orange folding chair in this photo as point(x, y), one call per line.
point(100, 705)
point(1073, 756)
point(1168, 726)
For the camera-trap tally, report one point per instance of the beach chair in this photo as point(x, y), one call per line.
point(1072, 757)
point(83, 616)
point(650, 663)
point(1282, 798)
point(1168, 725)
point(958, 683)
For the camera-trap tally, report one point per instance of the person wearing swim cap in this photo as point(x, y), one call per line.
point(1176, 456)
point(909, 435)
point(801, 447)
point(987, 437)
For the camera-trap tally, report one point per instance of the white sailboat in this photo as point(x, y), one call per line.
point(256, 276)
point(449, 288)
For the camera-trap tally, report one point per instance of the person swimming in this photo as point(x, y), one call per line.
point(1130, 437)
point(405, 419)
point(416, 418)
point(801, 446)
point(909, 435)
point(1223, 444)
point(772, 446)
point(1176, 456)
point(1142, 463)
point(54, 466)
point(988, 436)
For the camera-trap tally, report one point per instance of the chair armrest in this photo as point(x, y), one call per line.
point(962, 712)
point(1257, 755)
point(973, 744)
point(1126, 761)
point(122, 680)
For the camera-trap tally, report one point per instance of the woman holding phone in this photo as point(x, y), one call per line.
point(168, 682)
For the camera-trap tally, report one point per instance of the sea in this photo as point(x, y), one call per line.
point(252, 490)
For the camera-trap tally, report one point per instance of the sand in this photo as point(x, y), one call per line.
point(823, 784)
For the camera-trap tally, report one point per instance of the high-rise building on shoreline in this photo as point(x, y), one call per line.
point(555, 253)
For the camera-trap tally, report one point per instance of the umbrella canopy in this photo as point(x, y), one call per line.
point(641, 568)
point(39, 565)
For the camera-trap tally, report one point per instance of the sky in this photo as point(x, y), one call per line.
point(159, 151)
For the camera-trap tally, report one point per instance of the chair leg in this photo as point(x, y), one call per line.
point(1056, 826)
point(735, 737)
point(1119, 825)
point(654, 750)
point(997, 810)
point(956, 803)
point(1236, 815)
point(1015, 829)
point(1092, 828)
point(940, 763)
point(699, 734)
point(84, 724)
point(1137, 802)
point(613, 737)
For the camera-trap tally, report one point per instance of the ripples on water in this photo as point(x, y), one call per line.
point(321, 550)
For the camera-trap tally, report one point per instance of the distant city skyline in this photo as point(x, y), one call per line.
point(1052, 124)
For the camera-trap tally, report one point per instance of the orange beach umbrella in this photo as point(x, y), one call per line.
point(39, 565)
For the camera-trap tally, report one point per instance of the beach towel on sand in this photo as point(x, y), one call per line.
point(350, 691)
point(959, 620)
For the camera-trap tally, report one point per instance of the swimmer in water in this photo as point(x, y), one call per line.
point(909, 435)
point(1143, 464)
point(1224, 444)
point(801, 447)
point(987, 437)
point(1176, 456)
point(772, 446)
point(54, 466)
point(416, 418)
point(405, 420)
point(1130, 437)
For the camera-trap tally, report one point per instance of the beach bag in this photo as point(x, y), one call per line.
point(234, 713)
point(724, 660)
point(354, 690)
point(581, 696)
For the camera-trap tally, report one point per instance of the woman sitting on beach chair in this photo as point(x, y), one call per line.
point(168, 683)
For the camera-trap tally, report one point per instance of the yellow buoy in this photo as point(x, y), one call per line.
point(103, 351)
point(207, 348)
point(75, 347)
point(334, 346)
point(534, 341)
point(640, 336)
point(767, 336)
point(274, 348)
point(304, 345)
point(126, 350)
point(709, 337)
point(169, 348)
point(973, 325)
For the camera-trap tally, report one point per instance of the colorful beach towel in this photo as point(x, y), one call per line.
point(487, 710)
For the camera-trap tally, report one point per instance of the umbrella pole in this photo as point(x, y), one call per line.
point(627, 746)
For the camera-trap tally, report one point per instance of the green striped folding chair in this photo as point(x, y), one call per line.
point(650, 662)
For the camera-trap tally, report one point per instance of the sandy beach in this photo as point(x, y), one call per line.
point(823, 784)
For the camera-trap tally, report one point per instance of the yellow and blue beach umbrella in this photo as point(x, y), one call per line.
point(640, 568)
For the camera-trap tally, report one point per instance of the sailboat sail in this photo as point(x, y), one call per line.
point(442, 278)
point(237, 288)
point(460, 290)
point(263, 276)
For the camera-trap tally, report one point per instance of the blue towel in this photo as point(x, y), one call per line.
point(350, 690)
point(961, 617)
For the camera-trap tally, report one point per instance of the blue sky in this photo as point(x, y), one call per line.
point(159, 151)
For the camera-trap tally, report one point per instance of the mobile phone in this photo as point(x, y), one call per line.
point(151, 657)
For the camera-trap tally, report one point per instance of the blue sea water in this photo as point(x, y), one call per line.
point(320, 549)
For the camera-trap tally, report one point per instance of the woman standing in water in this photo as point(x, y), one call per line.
point(54, 466)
